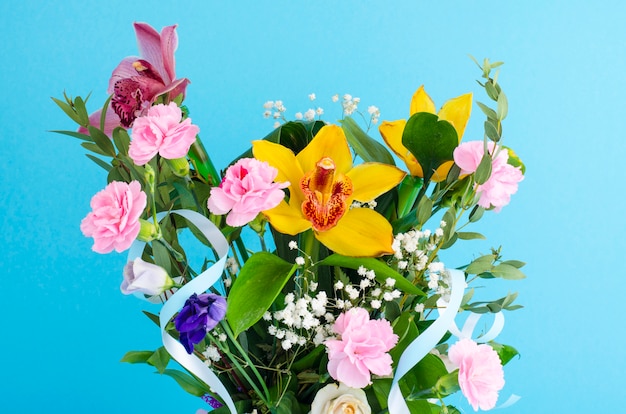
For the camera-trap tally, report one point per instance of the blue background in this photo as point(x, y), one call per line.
point(66, 325)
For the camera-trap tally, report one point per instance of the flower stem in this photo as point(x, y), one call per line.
point(202, 162)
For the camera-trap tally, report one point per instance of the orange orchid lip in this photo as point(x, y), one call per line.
point(324, 183)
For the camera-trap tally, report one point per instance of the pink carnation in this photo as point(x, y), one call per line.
point(114, 220)
point(362, 350)
point(160, 131)
point(502, 183)
point(480, 372)
point(246, 190)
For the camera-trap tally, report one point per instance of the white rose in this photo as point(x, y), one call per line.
point(333, 399)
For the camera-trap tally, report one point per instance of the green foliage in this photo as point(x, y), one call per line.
point(430, 140)
point(187, 382)
point(259, 283)
point(363, 145)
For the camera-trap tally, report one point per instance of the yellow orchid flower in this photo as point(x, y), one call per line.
point(456, 111)
point(323, 185)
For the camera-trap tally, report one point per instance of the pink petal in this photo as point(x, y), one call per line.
point(149, 43)
point(169, 44)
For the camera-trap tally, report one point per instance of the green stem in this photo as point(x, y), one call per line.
point(203, 164)
point(245, 356)
point(407, 194)
point(242, 249)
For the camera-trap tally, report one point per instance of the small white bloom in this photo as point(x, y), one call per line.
point(267, 114)
point(335, 97)
point(312, 96)
point(419, 308)
point(390, 282)
point(227, 282)
point(319, 111)
point(442, 224)
point(339, 285)
point(361, 271)
point(371, 275)
point(375, 304)
point(313, 286)
point(300, 261)
point(365, 283)
point(267, 316)
point(298, 116)
point(286, 344)
point(293, 245)
point(276, 124)
point(309, 115)
point(387, 297)
point(439, 232)
point(222, 337)
point(402, 264)
point(268, 105)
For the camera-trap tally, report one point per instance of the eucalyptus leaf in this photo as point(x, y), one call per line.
point(469, 235)
point(365, 146)
point(491, 114)
point(480, 265)
point(424, 210)
point(258, 284)
point(506, 271)
point(503, 106)
point(483, 171)
point(381, 269)
point(491, 131)
point(430, 140)
point(476, 214)
point(491, 91)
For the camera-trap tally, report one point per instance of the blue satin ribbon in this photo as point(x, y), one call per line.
point(425, 342)
point(198, 285)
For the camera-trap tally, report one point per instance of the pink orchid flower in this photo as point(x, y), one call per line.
point(137, 81)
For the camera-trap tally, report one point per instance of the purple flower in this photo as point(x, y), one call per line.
point(200, 314)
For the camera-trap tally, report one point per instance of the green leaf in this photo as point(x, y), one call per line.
point(503, 106)
point(101, 140)
point(403, 326)
point(93, 148)
point(364, 146)
point(491, 131)
point(154, 318)
point(425, 374)
point(137, 357)
point(480, 265)
point(483, 171)
point(187, 382)
point(491, 90)
point(514, 263)
point(424, 210)
point(159, 359)
point(81, 111)
point(506, 271)
point(103, 112)
point(430, 140)
point(450, 219)
point(259, 282)
point(74, 134)
point(107, 167)
point(69, 111)
point(491, 114)
point(121, 140)
point(505, 352)
point(381, 269)
point(470, 235)
point(476, 214)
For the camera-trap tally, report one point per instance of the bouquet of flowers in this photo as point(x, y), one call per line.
point(345, 306)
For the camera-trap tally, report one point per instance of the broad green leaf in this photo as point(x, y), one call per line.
point(506, 271)
point(514, 263)
point(259, 282)
point(424, 375)
point(159, 359)
point(187, 382)
point(137, 357)
point(469, 235)
point(106, 166)
point(382, 388)
point(405, 328)
point(505, 352)
point(365, 146)
point(74, 134)
point(121, 140)
point(381, 269)
point(102, 141)
point(430, 140)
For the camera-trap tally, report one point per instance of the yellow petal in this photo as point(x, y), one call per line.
point(391, 132)
point(441, 173)
point(421, 102)
point(371, 179)
point(360, 233)
point(330, 142)
point(284, 160)
point(457, 111)
point(287, 219)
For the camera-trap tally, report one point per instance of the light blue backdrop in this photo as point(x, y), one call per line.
point(66, 325)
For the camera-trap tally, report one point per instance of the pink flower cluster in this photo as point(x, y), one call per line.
point(160, 131)
point(362, 350)
point(497, 190)
point(114, 220)
point(246, 190)
point(480, 372)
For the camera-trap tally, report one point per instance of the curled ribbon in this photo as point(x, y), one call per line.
point(425, 342)
point(198, 285)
